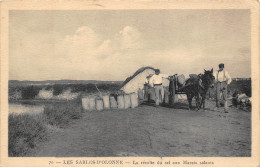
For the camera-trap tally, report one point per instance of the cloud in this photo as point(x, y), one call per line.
point(130, 38)
point(88, 54)
point(84, 42)
point(40, 50)
point(87, 43)
point(97, 58)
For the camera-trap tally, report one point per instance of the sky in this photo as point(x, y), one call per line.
point(112, 44)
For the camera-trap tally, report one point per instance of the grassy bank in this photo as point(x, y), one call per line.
point(26, 130)
point(60, 114)
point(23, 132)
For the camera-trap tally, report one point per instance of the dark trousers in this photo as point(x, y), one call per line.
point(146, 87)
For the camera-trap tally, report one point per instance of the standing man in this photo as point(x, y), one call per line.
point(146, 88)
point(222, 81)
point(156, 82)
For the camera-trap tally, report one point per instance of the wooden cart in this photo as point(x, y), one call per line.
point(174, 90)
point(171, 92)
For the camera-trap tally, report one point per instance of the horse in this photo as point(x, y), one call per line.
point(198, 88)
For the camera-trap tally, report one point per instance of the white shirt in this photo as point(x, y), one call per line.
point(147, 81)
point(222, 76)
point(157, 79)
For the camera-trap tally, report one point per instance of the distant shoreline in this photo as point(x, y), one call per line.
point(53, 82)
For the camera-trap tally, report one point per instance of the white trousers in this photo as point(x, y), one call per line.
point(159, 94)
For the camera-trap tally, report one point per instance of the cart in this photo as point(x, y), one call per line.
point(171, 91)
point(175, 89)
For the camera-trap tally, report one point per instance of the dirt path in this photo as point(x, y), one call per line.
point(150, 131)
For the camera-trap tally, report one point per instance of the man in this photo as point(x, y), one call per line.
point(222, 81)
point(146, 88)
point(156, 82)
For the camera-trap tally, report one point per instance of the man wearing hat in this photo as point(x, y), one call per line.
point(222, 81)
point(147, 86)
point(156, 82)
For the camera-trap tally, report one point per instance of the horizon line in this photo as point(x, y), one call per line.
point(95, 80)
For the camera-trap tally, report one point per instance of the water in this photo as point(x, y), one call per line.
point(25, 108)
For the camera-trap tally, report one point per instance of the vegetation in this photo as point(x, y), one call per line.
point(23, 132)
point(26, 130)
point(60, 114)
point(31, 91)
point(243, 86)
point(235, 87)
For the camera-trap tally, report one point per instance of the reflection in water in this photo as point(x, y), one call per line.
point(24, 108)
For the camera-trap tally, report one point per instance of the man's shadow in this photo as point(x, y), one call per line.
point(177, 105)
point(183, 105)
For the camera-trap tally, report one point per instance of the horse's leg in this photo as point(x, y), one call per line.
point(202, 105)
point(197, 101)
point(204, 99)
point(192, 95)
point(189, 97)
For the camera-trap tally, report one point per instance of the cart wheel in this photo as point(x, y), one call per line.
point(174, 96)
point(171, 92)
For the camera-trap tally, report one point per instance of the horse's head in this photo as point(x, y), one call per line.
point(209, 78)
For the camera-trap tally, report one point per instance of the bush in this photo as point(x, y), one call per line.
point(83, 88)
point(242, 86)
point(235, 87)
point(24, 131)
point(60, 114)
point(30, 92)
point(58, 88)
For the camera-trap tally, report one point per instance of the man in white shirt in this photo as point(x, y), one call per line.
point(156, 81)
point(222, 81)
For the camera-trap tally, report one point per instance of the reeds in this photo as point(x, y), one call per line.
point(25, 131)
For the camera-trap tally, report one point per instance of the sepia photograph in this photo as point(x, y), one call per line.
point(130, 83)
